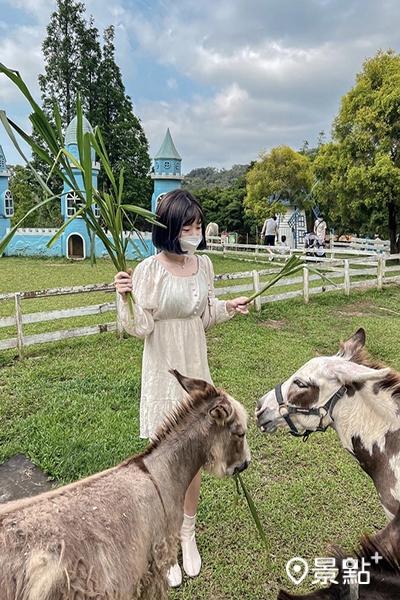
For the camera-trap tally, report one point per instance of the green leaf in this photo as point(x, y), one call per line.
point(292, 266)
point(252, 508)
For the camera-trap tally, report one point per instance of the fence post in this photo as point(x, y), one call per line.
point(256, 286)
point(380, 272)
point(18, 322)
point(306, 291)
point(346, 271)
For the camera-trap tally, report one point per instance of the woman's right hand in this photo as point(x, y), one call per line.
point(123, 282)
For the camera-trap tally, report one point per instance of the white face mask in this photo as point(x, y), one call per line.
point(190, 243)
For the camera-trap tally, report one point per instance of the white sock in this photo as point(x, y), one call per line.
point(190, 554)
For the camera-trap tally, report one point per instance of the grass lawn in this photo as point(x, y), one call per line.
point(72, 408)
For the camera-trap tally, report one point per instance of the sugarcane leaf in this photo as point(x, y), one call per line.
point(253, 509)
point(292, 266)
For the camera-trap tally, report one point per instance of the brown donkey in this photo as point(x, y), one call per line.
point(113, 536)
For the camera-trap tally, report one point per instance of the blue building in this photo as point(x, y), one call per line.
point(6, 201)
point(74, 242)
point(167, 170)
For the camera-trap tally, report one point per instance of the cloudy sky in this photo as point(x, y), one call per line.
point(228, 77)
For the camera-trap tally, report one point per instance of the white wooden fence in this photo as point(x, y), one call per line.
point(374, 272)
point(354, 247)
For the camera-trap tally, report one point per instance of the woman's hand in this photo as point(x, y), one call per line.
point(123, 282)
point(238, 305)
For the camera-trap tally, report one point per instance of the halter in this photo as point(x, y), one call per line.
point(285, 410)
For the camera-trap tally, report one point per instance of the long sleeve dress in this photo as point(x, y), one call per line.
point(171, 314)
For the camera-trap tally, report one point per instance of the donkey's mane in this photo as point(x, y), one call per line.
point(177, 419)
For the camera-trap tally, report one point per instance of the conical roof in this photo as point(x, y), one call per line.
point(167, 149)
point(3, 165)
point(70, 134)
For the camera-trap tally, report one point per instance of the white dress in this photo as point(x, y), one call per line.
point(171, 314)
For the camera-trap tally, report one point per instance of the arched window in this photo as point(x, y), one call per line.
point(72, 201)
point(8, 204)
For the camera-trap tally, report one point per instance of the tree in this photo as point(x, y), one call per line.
point(358, 173)
point(22, 188)
point(72, 54)
point(122, 131)
point(210, 177)
point(225, 207)
point(75, 63)
point(282, 175)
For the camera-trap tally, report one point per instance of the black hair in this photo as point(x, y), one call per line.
point(283, 238)
point(176, 209)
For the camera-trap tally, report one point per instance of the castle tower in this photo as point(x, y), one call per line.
point(167, 170)
point(76, 238)
point(6, 200)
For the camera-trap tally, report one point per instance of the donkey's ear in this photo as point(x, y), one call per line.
point(193, 385)
point(221, 412)
point(355, 343)
point(350, 372)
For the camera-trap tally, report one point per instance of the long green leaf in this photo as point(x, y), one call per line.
point(292, 266)
point(252, 507)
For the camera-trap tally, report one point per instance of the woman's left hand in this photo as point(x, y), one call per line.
point(238, 305)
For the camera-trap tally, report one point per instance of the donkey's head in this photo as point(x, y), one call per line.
point(223, 421)
point(306, 401)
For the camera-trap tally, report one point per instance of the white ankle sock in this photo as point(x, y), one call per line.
point(190, 555)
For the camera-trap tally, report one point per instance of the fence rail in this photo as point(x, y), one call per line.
point(373, 273)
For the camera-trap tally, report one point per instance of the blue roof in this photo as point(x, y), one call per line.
point(167, 149)
point(3, 165)
point(70, 134)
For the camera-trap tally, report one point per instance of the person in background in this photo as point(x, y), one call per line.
point(174, 304)
point(282, 246)
point(270, 231)
point(320, 228)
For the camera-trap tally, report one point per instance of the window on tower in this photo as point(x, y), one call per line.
point(167, 164)
point(8, 204)
point(72, 202)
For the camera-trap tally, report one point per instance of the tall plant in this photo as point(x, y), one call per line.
point(114, 212)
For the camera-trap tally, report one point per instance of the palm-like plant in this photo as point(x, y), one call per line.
point(114, 213)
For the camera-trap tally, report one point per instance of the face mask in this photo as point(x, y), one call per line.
point(189, 243)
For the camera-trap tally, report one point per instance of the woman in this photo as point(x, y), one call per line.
point(174, 304)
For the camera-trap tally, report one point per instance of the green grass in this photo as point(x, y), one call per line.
point(72, 407)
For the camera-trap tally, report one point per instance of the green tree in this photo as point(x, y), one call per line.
point(279, 176)
point(210, 177)
point(22, 188)
point(76, 63)
point(225, 207)
point(358, 173)
point(122, 131)
point(72, 54)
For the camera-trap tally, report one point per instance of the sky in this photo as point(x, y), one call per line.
point(230, 78)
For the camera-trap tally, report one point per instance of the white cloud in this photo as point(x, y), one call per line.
point(228, 77)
